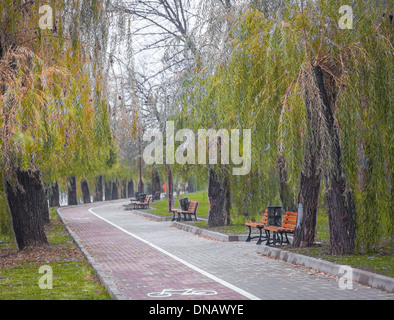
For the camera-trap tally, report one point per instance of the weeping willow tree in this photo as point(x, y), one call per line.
point(54, 119)
point(318, 100)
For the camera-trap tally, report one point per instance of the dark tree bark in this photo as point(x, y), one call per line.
point(323, 152)
point(54, 195)
point(130, 189)
point(115, 190)
point(310, 175)
point(108, 190)
point(338, 195)
point(98, 189)
point(123, 189)
point(72, 191)
point(308, 196)
point(155, 181)
point(85, 192)
point(28, 205)
point(141, 186)
point(219, 197)
point(148, 187)
point(43, 198)
point(170, 188)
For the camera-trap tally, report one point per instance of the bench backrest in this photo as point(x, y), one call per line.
point(147, 199)
point(193, 205)
point(289, 220)
point(264, 218)
point(184, 203)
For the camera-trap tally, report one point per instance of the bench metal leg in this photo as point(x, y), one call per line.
point(250, 232)
point(261, 235)
point(275, 238)
point(287, 239)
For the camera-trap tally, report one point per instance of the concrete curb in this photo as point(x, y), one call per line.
point(363, 277)
point(208, 233)
point(106, 280)
point(150, 215)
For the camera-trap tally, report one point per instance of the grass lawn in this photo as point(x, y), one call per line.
point(72, 277)
point(378, 262)
point(201, 196)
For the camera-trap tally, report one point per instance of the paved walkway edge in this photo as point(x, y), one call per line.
point(149, 215)
point(363, 277)
point(208, 233)
point(106, 280)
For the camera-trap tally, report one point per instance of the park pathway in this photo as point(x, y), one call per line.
point(141, 259)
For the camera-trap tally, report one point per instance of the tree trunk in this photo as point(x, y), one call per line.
point(54, 195)
point(130, 189)
point(85, 192)
point(43, 198)
point(219, 197)
point(308, 196)
point(310, 175)
point(338, 196)
point(27, 207)
point(170, 187)
point(108, 190)
point(155, 181)
point(323, 156)
point(141, 186)
point(115, 190)
point(124, 189)
point(98, 189)
point(148, 187)
point(72, 191)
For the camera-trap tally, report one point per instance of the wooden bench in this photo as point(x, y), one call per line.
point(142, 204)
point(289, 223)
point(184, 206)
point(259, 225)
point(192, 210)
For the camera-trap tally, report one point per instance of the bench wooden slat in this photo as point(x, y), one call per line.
point(289, 223)
point(192, 210)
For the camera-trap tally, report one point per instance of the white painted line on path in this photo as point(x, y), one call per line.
point(207, 274)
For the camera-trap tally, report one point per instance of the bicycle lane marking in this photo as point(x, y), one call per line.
point(187, 264)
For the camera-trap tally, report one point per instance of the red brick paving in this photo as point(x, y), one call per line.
point(136, 268)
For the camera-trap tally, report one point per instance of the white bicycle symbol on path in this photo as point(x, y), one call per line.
point(183, 292)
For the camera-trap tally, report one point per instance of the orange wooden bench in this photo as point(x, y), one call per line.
point(259, 225)
point(142, 204)
point(289, 223)
point(192, 210)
